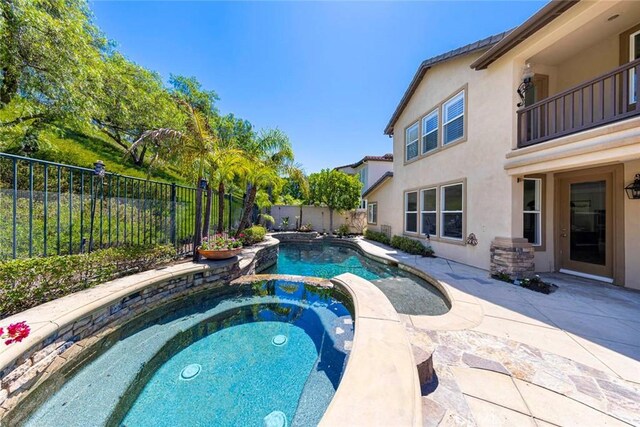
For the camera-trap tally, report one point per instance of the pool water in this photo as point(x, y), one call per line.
point(271, 354)
point(408, 293)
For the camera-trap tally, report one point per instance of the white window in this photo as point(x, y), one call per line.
point(411, 212)
point(372, 213)
point(452, 211)
point(453, 119)
point(411, 142)
point(532, 211)
point(430, 132)
point(363, 204)
point(428, 212)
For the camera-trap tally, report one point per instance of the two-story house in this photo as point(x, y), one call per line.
point(369, 170)
point(520, 151)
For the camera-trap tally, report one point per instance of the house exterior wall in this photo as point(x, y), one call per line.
point(488, 160)
point(389, 202)
point(632, 229)
point(476, 161)
point(375, 170)
point(593, 61)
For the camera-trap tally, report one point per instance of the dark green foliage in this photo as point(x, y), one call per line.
point(503, 277)
point(411, 246)
point(343, 230)
point(26, 283)
point(377, 236)
point(253, 235)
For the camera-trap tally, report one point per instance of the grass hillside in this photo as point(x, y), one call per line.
point(84, 147)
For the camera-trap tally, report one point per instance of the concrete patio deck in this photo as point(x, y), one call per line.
point(568, 358)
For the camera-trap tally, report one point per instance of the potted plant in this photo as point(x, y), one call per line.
point(220, 246)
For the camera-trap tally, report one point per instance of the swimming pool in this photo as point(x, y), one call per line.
point(408, 293)
point(269, 353)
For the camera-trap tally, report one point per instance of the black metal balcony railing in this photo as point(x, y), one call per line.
point(606, 99)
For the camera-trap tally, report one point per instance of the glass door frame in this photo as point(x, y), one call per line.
point(614, 265)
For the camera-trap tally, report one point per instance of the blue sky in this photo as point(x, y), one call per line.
point(329, 74)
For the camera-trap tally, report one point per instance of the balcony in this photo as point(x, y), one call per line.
point(606, 99)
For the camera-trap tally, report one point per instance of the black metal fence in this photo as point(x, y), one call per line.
point(49, 208)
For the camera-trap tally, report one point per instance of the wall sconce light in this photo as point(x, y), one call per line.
point(633, 189)
point(527, 83)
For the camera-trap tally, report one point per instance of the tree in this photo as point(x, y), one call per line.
point(260, 175)
point(336, 190)
point(228, 160)
point(50, 59)
point(227, 163)
point(133, 100)
point(271, 156)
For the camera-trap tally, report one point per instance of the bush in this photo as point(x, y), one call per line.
point(377, 236)
point(343, 230)
point(306, 228)
point(253, 235)
point(26, 283)
point(411, 246)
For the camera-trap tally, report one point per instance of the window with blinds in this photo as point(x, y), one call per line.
point(453, 119)
point(411, 142)
point(430, 132)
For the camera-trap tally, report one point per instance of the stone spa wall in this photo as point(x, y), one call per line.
point(71, 330)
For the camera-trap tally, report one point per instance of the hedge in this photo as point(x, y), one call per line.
point(411, 246)
point(26, 283)
point(253, 235)
point(377, 236)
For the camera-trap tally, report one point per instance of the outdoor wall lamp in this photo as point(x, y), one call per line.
point(527, 83)
point(633, 189)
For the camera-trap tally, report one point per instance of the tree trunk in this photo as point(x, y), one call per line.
point(207, 212)
point(220, 207)
point(248, 208)
point(331, 221)
point(301, 223)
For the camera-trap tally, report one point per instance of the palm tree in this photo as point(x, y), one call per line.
point(189, 146)
point(227, 163)
point(261, 175)
point(269, 153)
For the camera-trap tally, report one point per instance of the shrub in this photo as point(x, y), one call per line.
point(343, 230)
point(411, 246)
point(25, 283)
point(377, 236)
point(306, 228)
point(284, 223)
point(253, 235)
point(267, 219)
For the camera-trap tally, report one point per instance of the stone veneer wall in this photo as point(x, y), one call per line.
point(73, 342)
point(513, 256)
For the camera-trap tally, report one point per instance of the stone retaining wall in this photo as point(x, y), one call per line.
point(56, 343)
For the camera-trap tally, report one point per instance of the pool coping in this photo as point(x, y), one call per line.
point(465, 312)
point(56, 325)
point(380, 344)
point(380, 384)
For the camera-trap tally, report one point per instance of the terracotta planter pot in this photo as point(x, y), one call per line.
point(219, 253)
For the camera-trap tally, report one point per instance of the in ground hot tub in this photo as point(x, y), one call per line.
point(266, 353)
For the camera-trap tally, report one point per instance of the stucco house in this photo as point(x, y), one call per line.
point(513, 153)
point(369, 170)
